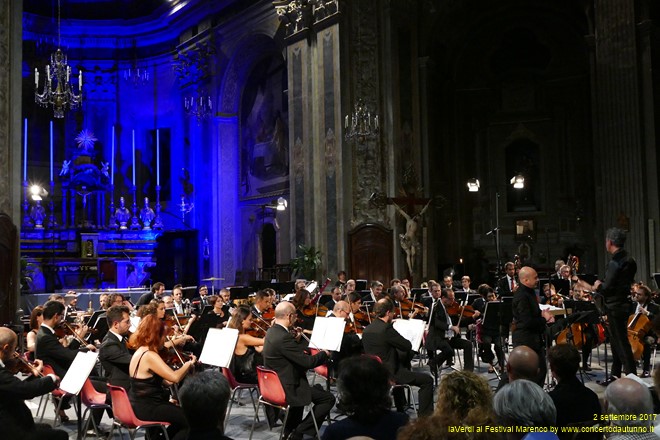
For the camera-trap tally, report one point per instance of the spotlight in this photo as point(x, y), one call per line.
point(37, 192)
point(281, 204)
point(518, 181)
point(473, 185)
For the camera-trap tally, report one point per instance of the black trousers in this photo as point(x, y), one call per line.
point(323, 402)
point(446, 348)
point(621, 352)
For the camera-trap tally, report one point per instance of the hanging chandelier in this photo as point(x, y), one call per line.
point(361, 124)
point(135, 74)
point(57, 90)
point(200, 106)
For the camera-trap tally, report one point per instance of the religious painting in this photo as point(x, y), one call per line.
point(264, 137)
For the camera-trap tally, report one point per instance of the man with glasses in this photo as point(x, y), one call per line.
point(286, 356)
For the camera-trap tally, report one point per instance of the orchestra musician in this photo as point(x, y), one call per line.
point(177, 298)
point(376, 291)
point(285, 355)
point(529, 321)
point(465, 285)
point(157, 290)
point(36, 318)
point(247, 353)
point(444, 336)
point(507, 285)
point(150, 374)
point(15, 417)
point(113, 353)
point(615, 289)
point(351, 344)
point(488, 335)
point(306, 312)
point(262, 303)
point(645, 306)
point(350, 287)
point(53, 353)
point(382, 340)
point(336, 297)
point(587, 333)
point(201, 300)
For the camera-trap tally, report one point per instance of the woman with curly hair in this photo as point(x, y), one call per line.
point(364, 394)
point(150, 376)
point(464, 399)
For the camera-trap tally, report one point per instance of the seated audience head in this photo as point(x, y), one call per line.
point(524, 403)
point(149, 333)
point(463, 392)
point(627, 396)
point(523, 363)
point(564, 361)
point(204, 397)
point(364, 388)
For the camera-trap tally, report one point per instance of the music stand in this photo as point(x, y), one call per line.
point(506, 317)
point(200, 326)
point(100, 325)
point(583, 312)
point(562, 287)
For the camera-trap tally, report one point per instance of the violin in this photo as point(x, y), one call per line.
point(409, 308)
point(173, 357)
point(256, 330)
point(18, 364)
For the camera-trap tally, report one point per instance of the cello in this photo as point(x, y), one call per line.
point(638, 326)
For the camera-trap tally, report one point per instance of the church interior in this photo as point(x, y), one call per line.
point(227, 139)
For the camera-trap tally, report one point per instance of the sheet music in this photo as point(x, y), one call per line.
point(135, 321)
point(219, 347)
point(411, 329)
point(327, 333)
point(79, 371)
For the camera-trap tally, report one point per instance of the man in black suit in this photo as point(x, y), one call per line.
point(114, 354)
point(286, 356)
point(382, 340)
point(336, 297)
point(156, 292)
point(645, 306)
point(15, 417)
point(529, 321)
point(443, 336)
point(51, 352)
point(507, 285)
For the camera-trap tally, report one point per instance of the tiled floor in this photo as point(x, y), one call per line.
point(240, 420)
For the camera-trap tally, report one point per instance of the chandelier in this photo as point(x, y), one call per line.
point(136, 75)
point(200, 106)
point(362, 124)
point(57, 90)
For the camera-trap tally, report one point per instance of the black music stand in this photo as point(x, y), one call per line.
point(99, 326)
point(200, 327)
point(584, 312)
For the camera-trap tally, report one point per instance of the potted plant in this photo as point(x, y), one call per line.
point(307, 262)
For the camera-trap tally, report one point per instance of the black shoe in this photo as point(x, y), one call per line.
point(609, 381)
point(586, 368)
point(646, 374)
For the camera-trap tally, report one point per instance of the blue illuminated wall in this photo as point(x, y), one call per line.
point(199, 160)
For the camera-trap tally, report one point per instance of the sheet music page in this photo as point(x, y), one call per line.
point(79, 371)
point(327, 333)
point(411, 329)
point(219, 347)
point(135, 321)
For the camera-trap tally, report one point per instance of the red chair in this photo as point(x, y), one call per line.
point(56, 393)
point(125, 417)
point(237, 387)
point(92, 399)
point(320, 371)
point(272, 393)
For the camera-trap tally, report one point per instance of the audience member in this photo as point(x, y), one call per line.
point(625, 397)
point(575, 403)
point(523, 403)
point(364, 394)
point(204, 398)
point(523, 363)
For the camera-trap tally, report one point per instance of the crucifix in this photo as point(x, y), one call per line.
point(408, 240)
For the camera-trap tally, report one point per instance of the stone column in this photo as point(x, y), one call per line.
point(617, 131)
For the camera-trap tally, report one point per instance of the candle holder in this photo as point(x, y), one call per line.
point(112, 221)
point(158, 221)
point(52, 222)
point(135, 223)
point(27, 220)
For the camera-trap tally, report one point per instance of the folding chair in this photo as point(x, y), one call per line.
point(43, 402)
point(272, 394)
point(237, 387)
point(125, 417)
point(92, 399)
point(408, 388)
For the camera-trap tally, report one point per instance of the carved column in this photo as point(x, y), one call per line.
point(10, 146)
point(617, 133)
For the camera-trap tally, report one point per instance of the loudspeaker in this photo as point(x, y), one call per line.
point(177, 258)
